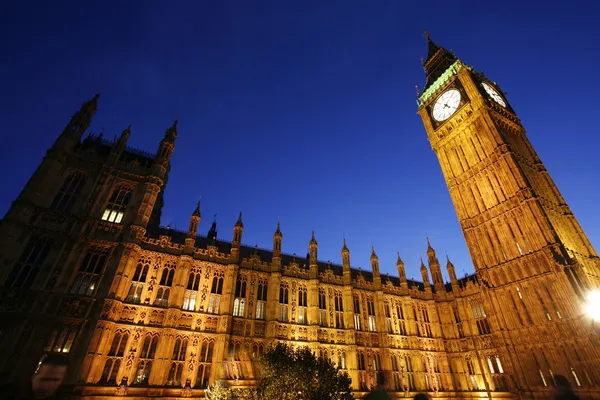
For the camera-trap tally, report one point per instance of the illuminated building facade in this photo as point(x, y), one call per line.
point(148, 311)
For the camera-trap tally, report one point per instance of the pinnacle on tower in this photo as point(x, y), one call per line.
point(345, 248)
point(171, 133)
point(373, 254)
point(437, 62)
point(423, 267)
point(212, 232)
point(194, 221)
point(278, 230)
point(196, 212)
point(239, 222)
point(313, 240)
point(399, 261)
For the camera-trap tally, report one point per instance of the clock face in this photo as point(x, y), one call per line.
point(493, 94)
point(446, 104)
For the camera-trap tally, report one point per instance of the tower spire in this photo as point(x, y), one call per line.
point(437, 62)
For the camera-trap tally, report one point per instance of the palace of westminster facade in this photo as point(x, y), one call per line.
point(147, 311)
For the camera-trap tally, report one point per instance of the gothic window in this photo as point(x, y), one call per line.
point(339, 310)
point(471, 371)
point(177, 361)
point(480, 318)
point(261, 297)
point(215, 293)
point(145, 362)
point(371, 314)
point(257, 350)
point(376, 362)
point(28, 265)
point(396, 373)
point(239, 304)
point(356, 301)
point(205, 361)
point(164, 286)
point(388, 317)
point(138, 281)
point(67, 194)
point(410, 375)
point(283, 302)
point(191, 292)
point(113, 362)
point(401, 322)
point(302, 305)
point(361, 360)
point(117, 204)
point(322, 307)
point(61, 339)
point(427, 322)
point(88, 275)
point(524, 306)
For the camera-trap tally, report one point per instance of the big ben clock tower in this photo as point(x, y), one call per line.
point(527, 247)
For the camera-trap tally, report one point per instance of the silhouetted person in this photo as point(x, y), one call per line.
point(379, 393)
point(44, 383)
point(563, 389)
point(421, 396)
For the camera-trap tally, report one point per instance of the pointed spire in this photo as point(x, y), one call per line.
point(399, 260)
point(345, 248)
point(373, 254)
point(239, 222)
point(313, 241)
point(125, 134)
point(196, 212)
point(171, 133)
point(278, 230)
point(212, 233)
point(437, 62)
point(423, 267)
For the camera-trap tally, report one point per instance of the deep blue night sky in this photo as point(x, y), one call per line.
point(300, 109)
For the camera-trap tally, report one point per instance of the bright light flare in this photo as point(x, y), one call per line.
point(592, 307)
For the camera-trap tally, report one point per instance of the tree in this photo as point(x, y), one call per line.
point(296, 374)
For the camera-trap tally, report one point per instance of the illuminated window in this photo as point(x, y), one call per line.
point(388, 318)
point(322, 308)
point(357, 324)
point(261, 297)
point(458, 320)
point(480, 318)
point(400, 315)
point(146, 356)
point(88, 275)
point(61, 340)
point(239, 303)
point(283, 302)
point(28, 265)
point(191, 292)
point(117, 205)
point(68, 193)
point(215, 293)
point(371, 315)
point(302, 305)
point(137, 283)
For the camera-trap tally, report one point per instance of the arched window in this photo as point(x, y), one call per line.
point(28, 265)
point(215, 293)
point(88, 275)
point(205, 361)
point(261, 299)
point(138, 281)
point(238, 307)
point(117, 204)
point(302, 305)
point(191, 293)
point(322, 308)
point(67, 194)
point(283, 302)
point(240, 297)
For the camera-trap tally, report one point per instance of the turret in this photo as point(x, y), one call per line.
point(425, 276)
point(238, 228)
point(277, 239)
point(401, 272)
point(119, 146)
point(375, 267)
point(212, 233)
point(312, 256)
point(451, 272)
point(193, 228)
point(165, 150)
point(347, 272)
point(434, 266)
point(79, 123)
